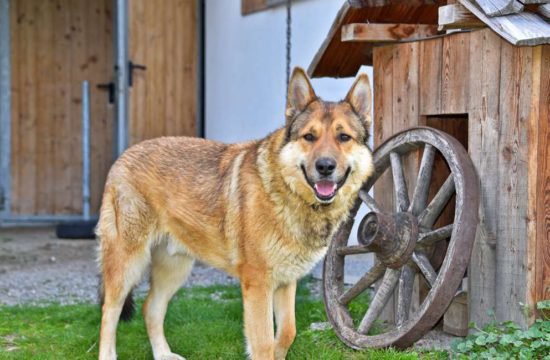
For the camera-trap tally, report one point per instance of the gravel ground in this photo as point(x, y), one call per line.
point(36, 267)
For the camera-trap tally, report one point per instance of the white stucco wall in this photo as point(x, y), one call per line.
point(245, 64)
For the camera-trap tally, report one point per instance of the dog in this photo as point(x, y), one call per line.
point(263, 211)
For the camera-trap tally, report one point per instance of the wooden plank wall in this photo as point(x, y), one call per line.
point(163, 98)
point(56, 44)
point(481, 77)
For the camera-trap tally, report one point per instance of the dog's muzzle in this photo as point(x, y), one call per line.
point(325, 190)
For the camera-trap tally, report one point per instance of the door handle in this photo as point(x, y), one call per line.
point(131, 68)
point(110, 87)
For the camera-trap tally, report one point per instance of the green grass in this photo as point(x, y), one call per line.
point(202, 323)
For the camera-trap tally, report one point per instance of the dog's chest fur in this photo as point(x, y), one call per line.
point(290, 264)
point(307, 235)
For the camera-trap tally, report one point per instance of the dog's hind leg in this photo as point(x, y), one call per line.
point(121, 272)
point(168, 273)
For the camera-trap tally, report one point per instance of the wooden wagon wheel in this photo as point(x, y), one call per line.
point(401, 241)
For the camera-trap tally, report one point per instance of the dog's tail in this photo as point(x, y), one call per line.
point(106, 229)
point(129, 307)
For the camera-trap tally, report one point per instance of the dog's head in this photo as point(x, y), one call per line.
point(326, 156)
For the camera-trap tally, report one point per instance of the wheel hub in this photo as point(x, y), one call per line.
point(391, 236)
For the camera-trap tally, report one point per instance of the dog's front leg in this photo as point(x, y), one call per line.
point(258, 316)
point(283, 299)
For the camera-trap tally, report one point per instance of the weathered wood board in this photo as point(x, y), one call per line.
point(454, 83)
point(396, 76)
point(483, 136)
point(539, 184)
point(383, 129)
point(519, 28)
point(500, 7)
point(456, 16)
point(511, 245)
point(430, 76)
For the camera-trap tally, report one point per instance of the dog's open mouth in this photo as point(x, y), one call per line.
point(325, 190)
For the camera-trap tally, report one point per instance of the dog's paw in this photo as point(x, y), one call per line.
point(171, 356)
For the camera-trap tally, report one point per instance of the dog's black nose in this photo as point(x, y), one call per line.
point(325, 166)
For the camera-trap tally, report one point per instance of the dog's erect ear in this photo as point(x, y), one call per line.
point(360, 98)
point(300, 94)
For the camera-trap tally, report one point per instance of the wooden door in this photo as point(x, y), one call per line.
point(163, 97)
point(55, 45)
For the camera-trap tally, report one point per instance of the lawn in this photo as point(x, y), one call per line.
point(202, 323)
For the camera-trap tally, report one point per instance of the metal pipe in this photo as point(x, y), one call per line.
point(121, 76)
point(86, 150)
point(5, 110)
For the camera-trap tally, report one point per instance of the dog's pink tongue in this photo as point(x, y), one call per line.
point(325, 188)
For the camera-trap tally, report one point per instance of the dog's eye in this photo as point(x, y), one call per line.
point(344, 137)
point(309, 137)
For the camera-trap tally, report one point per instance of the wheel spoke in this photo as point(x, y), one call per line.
point(351, 250)
point(430, 238)
point(369, 200)
point(400, 186)
point(425, 267)
point(420, 196)
point(404, 294)
point(428, 217)
point(366, 280)
point(380, 299)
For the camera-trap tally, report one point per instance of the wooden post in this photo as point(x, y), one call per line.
point(483, 135)
point(511, 245)
point(538, 257)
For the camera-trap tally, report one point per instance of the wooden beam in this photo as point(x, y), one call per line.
point(386, 32)
point(458, 17)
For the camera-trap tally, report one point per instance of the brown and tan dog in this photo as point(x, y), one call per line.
point(263, 211)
